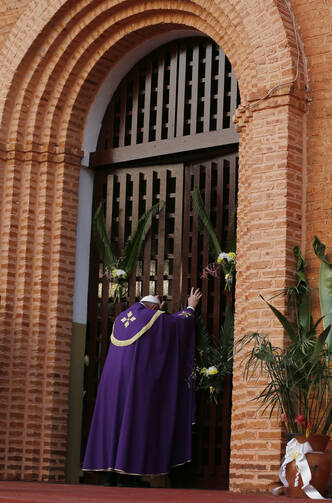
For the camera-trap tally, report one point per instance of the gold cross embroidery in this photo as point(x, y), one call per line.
point(185, 314)
point(127, 319)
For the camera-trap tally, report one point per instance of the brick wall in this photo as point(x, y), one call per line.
point(10, 11)
point(48, 79)
point(269, 225)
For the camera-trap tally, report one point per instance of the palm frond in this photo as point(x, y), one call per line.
point(134, 244)
point(199, 208)
point(103, 241)
point(283, 320)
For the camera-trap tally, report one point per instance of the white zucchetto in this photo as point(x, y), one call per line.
point(150, 298)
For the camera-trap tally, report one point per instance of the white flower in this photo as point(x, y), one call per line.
point(121, 272)
point(117, 273)
point(222, 256)
point(211, 371)
point(231, 257)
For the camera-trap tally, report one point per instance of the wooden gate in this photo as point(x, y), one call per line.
point(170, 110)
point(173, 258)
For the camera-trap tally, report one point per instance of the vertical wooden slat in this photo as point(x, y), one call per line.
point(221, 90)
point(181, 90)
point(122, 211)
point(172, 92)
point(147, 102)
point(199, 467)
point(233, 96)
point(225, 421)
point(134, 113)
point(219, 227)
point(195, 272)
point(105, 282)
point(186, 233)
point(109, 204)
point(93, 308)
point(147, 247)
point(123, 101)
point(161, 233)
point(134, 218)
point(176, 277)
point(231, 199)
point(212, 440)
point(208, 82)
point(160, 94)
point(194, 90)
point(205, 254)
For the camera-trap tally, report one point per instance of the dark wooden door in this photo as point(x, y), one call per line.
point(174, 255)
point(217, 179)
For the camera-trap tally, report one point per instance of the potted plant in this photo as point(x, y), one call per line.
point(298, 375)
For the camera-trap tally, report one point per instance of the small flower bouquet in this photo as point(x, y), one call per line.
point(119, 279)
point(213, 361)
point(227, 262)
point(119, 269)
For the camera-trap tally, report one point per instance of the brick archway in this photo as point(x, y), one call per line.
point(57, 58)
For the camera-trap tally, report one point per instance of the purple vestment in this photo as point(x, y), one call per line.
point(144, 408)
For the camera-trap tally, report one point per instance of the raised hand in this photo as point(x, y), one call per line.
point(194, 297)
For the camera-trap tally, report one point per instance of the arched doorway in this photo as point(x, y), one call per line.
point(167, 129)
point(48, 87)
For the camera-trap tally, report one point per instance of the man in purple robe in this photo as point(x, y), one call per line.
point(145, 402)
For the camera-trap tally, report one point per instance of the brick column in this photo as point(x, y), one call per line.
point(40, 196)
point(269, 225)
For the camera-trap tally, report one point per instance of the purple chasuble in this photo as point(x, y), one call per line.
point(144, 408)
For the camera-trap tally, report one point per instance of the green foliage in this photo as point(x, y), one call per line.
point(135, 242)
point(104, 246)
point(325, 287)
point(199, 207)
point(224, 261)
point(298, 375)
point(213, 361)
point(119, 269)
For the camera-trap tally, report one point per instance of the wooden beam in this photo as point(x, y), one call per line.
point(164, 147)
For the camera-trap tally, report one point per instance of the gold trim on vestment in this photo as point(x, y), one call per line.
point(128, 342)
point(122, 472)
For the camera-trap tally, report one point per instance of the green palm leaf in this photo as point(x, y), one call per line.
point(134, 244)
point(325, 287)
point(319, 345)
point(198, 206)
point(283, 320)
point(103, 241)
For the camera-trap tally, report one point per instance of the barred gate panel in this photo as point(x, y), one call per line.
point(179, 98)
point(217, 180)
point(174, 255)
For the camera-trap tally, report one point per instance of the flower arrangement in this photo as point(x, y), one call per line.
point(299, 374)
point(224, 262)
point(213, 361)
point(119, 269)
point(227, 262)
